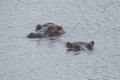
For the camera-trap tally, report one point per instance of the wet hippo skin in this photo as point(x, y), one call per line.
point(78, 46)
point(35, 35)
point(46, 30)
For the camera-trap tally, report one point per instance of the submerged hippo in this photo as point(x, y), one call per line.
point(78, 46)
point(46, 30)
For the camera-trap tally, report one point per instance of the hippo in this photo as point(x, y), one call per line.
point(78, 46)
point(46, 30)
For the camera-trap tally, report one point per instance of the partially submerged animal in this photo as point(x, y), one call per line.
point(46, 30)
point(78, 46)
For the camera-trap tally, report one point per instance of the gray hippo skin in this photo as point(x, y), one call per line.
point(46, 30)
point(78, 46)
point(35, 35)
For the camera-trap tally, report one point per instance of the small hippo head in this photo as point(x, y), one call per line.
point(72, 47)
point(77, 46)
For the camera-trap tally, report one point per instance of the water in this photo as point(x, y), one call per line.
point(44, 59)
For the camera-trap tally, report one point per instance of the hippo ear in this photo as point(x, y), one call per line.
point(60, 30)
point(92, 43)
point(38, 27)
point(59, 27)
point(68, 45)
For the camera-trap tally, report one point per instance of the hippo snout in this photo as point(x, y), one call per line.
point(35, 35)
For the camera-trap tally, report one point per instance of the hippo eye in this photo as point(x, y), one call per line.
point(52, 27)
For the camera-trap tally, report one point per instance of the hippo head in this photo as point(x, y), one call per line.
point(46, 30)
point(72, 47)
